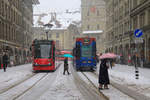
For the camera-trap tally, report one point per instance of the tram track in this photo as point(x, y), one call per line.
point(30, 87)
point(125, 90)
point(88, 91)
point(32, 92)
point(17, 90)
point(23, 87)
point(17, 83)
point(98, 92)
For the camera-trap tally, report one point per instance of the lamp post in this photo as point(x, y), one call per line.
point(48, 26)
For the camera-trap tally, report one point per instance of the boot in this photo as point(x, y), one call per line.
point(100, 87)
point(106, 86)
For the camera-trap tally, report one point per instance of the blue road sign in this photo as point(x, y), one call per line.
point(138, 33)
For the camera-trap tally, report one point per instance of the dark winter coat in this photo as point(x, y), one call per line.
point(5, 59)
point(66, 64)
point(103, 73)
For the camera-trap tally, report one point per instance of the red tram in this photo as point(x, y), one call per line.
point(43, 55)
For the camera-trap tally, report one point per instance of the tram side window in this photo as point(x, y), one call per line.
point(78, 50)
point(54, 53)
point(37, 51)
point(94, 50)
point(74, 52)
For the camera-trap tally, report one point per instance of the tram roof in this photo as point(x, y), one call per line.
point(42, 41)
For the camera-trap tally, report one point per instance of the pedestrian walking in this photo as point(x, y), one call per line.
point(97, 60)
point(66, 66)
point(110, 63)
point(103, 75)
point(0, 62)
point(5, 61)
point(141, 60)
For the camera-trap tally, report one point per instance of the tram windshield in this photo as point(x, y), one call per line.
point(86, 50)
point(42, 51)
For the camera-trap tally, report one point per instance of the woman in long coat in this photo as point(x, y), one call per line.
point(103, 75)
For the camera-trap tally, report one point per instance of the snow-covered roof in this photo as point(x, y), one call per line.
point(35, 2)
point(92, 32)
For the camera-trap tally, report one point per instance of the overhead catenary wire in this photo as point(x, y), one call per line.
point(60, 18)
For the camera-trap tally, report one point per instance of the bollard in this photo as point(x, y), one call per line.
point(136, 73)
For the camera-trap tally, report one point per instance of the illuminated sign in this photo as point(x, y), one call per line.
point(86, 41)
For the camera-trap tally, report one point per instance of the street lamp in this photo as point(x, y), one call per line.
point(48, 26)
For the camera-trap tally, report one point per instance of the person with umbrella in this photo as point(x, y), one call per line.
point(103, 70)
point(103, 75)
point(66, 66)
point(66, 63)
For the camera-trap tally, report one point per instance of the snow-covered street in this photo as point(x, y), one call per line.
point(21, 84)
point(14, 75)
point(54, 86)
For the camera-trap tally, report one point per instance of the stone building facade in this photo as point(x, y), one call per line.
point(93, 15)
point(53, 34)
point(38, 33)
point(73, 31)
point(140, 19)
point(16, 28)
point(64, 38)
point(58, 36)
point(123, 17)
point(118, 27)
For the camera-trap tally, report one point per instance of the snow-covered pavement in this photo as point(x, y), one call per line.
point(125, 75)
point(112, 93)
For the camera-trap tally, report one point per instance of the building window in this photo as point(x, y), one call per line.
point(135, 3)
point(3, 5)
point(97, 12)
point(142, 19)
point(122, 29)
point(98, 38)
point(88, 13)
point(135, 22)
point(1, 30)
point(57, 35)
point(0, 7)
point(57, 43)
point(49, 35)
point(149, 17)
point(88, 27)
point(98, 27)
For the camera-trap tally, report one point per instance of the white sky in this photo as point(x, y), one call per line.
point(47, 6)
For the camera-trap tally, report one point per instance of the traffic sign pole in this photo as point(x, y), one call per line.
point(138, 33)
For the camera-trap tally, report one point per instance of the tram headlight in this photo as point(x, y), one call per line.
point(35, 64)
point(49, 64)
point(89, 61)
point(83, 61)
